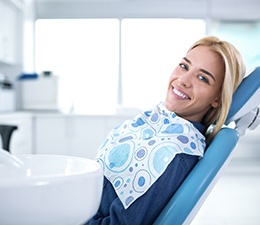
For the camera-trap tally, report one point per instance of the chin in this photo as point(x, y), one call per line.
point(169, 106)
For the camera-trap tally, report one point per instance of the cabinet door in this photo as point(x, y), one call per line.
point(72, 135)
point(86, 135)
point(22, 139)
point(51, 135)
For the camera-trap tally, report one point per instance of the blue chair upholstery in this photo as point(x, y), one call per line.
point(246, 96)
point(188, 199)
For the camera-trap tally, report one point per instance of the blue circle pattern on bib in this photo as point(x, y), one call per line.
point(136, 153)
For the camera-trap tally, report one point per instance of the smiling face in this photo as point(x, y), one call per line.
point(195, 84)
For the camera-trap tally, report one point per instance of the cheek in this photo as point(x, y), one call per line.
point(214, 98)
point(204, 93)
point(170, 82)
point(173, 76)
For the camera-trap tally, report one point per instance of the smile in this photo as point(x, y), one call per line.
point(180, 94)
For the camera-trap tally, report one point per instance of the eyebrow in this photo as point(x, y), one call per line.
point(202, 70)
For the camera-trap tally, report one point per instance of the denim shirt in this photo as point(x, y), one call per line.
point(146, 209)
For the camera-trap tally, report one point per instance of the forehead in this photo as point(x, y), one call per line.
point(203, 54)
point(203, 57)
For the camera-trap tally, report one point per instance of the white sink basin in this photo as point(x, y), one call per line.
point(48, 189)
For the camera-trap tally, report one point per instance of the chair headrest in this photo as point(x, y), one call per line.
point(246, 97)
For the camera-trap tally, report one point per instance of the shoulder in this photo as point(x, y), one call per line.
point(186, 161)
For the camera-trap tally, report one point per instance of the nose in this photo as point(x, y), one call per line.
point(185, 79)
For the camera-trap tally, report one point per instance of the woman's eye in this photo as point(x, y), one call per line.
point(183, 66)
point(204, 79)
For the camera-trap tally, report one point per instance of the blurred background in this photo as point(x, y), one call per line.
point(70, 70)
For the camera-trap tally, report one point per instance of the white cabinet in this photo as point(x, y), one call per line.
point(9, 31)
point(51, 135)
point(72, 134)
point(86, 135)
point(22, 138)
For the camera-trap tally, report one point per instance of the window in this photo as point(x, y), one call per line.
point(84, 54)
point(104, 63)
point(244, 35)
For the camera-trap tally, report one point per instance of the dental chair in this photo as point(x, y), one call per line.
point(244, 114)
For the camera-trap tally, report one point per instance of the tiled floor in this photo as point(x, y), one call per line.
point(235, 200)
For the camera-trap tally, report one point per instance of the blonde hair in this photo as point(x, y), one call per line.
point(234, 72)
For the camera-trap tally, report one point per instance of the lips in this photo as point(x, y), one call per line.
point(180, 94)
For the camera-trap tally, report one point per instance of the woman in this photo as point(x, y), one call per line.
point(145, 160)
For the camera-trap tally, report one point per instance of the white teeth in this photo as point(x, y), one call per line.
point(180, 94)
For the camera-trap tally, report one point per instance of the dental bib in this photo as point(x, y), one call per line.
point(136, 153)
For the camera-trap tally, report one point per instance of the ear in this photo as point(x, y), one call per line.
point(216, 103)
